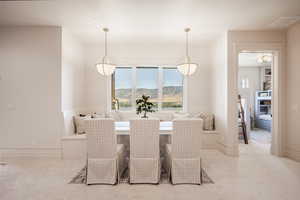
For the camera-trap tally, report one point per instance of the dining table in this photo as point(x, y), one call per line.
point(122, 130)
point(123, 127)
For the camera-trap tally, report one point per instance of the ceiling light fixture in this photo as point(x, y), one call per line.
point(264, 59)
point(187, 68)
point(105, 68)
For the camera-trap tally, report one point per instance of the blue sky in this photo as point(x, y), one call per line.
point(123, 77)
point(147, 78)
point(172, 77)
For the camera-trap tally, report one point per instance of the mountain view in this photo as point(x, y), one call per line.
point(172, 96)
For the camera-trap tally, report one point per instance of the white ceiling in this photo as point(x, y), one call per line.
point(149, 20)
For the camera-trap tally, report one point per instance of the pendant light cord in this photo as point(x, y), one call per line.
point(105, 43)
point(186, 45)
point(187, 50)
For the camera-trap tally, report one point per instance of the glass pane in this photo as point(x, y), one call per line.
point(172, 89)
point(147, 83)
point(123, 87)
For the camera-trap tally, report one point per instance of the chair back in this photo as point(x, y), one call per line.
point(101, 138)
point(186, 138)
point(144, 138)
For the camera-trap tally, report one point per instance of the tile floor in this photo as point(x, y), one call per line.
point(255, 175)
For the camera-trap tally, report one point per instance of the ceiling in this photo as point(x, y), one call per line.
point(149, 20)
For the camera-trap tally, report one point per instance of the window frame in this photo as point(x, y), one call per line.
point(159, 84)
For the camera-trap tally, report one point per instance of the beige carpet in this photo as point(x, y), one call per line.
point(80, 178)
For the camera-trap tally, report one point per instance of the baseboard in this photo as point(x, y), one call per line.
point(221, 147)
point(293, 154)
point(31, 152)
point(227, 150)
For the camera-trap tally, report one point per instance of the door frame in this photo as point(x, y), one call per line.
point(277, 91)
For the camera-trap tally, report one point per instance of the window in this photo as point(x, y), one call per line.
point(123, 87)
point(172, 91)
point(147, 83)
point(163, 84)
point(245, 83)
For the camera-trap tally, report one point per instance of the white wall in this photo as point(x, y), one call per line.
point(73, 79)
point(149, 53)
point(30, 90)
point(219, 97)
point(292, 92)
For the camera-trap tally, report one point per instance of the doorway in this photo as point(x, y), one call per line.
point(278, 81)
point(255, 84)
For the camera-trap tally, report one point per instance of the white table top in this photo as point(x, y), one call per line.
point(122, 128)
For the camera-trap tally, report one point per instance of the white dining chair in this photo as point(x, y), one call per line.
point(144, 161)
point(105, 158)
point(183, 154)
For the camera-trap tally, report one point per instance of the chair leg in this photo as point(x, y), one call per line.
point(86, 171)
point(118, 172)
point(167, 167)
point(159, 171)
point(200, 172)
point(170, 171)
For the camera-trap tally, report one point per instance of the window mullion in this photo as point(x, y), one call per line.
point(160, 88)
point(133, 90)
point(185, 95)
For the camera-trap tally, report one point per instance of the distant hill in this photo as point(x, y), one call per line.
point(172, 90)
point(168, 91)
point(152, 92)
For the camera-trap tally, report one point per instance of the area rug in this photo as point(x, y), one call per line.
point(80, 178)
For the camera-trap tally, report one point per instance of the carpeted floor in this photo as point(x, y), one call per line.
point(261, 136)
point(80, 178)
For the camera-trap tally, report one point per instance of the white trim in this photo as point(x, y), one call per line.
point(31, 152)
point(293, 154)
point(108, 94)
point(226, 149)
point(160, 87)
point(185, 94)
point(277, 49)
point(133, 90)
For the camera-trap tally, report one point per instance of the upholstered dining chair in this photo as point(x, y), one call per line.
point(105, 158)
point(183, 154)
point(144, 161)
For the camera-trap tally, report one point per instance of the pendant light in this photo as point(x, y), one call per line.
point(266, 58)
point(187, 68)
point(105, 68)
